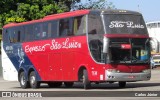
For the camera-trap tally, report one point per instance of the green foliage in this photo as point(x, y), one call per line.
point(94, 4)
point(26, 10)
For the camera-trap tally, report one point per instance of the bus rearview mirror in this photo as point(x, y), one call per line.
point(105, 45)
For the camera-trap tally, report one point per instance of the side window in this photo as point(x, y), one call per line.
point(79, 25)
point(54, 28)
point(49, 30)
point(11, 33)
point(96, 50)
point(5, 35)
point(22, 34)
point(95, 37)
point(70, 27)
point(65, 27)
point(29, 32)
point(41, 31)
point(19, 34)
point(37, 31)
point(95, 25)
point(16, 35)
point(44, 33)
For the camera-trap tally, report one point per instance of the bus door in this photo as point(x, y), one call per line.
point(54, 68)
point(68, 65)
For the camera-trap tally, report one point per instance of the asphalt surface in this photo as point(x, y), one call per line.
point(133, 90)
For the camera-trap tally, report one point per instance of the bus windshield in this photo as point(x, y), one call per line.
point(138, 53)
point(126, 23)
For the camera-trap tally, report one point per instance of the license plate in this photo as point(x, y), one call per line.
point(131, 76)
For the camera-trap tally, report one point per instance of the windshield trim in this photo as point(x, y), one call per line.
point(126, 35)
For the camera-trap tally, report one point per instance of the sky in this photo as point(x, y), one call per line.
point(150, 9)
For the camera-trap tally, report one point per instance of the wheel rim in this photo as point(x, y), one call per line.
point(32, 80)
point(83, 79)
point(23, 80)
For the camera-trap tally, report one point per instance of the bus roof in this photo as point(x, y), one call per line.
point(115, 11)
point(70, 14)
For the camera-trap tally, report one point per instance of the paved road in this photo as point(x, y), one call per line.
point(132, 89)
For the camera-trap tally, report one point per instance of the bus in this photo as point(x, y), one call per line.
point(88, 46)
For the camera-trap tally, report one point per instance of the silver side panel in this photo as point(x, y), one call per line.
point(9, 71)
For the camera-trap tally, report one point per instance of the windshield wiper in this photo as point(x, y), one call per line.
point(140, 61)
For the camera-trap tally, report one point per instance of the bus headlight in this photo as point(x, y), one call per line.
point(113, 70)
point(147, 71)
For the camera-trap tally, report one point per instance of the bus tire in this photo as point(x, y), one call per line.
point(122, 84)
point(86, 82)
point(68, 84)
point(23, 81)
point(33, 81)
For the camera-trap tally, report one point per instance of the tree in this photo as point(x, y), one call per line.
point(26, 10)
point(94, 4)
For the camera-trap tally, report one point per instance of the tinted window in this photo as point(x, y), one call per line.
point(79, 25)
point(11, 33)
point(95, 37)
point(95, 25)
point(38, 31)
point(20, 36)
point(54, 29)
point(65, 27)
point(44, 32)
point(14, 35)
point(131, 24)
point(6, 35)
point(29, 33)
point(49, 30)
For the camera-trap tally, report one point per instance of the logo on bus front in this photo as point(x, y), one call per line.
point(128, 24)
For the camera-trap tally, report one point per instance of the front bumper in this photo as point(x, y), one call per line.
point(128, 77)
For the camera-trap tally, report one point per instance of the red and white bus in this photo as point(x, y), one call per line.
point(79, 46)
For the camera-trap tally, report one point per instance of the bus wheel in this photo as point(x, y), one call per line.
point(86, 81)
point(122, 84)
point(33, 81)
point(23, 81)
point(55, 84)
point(68, 84)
